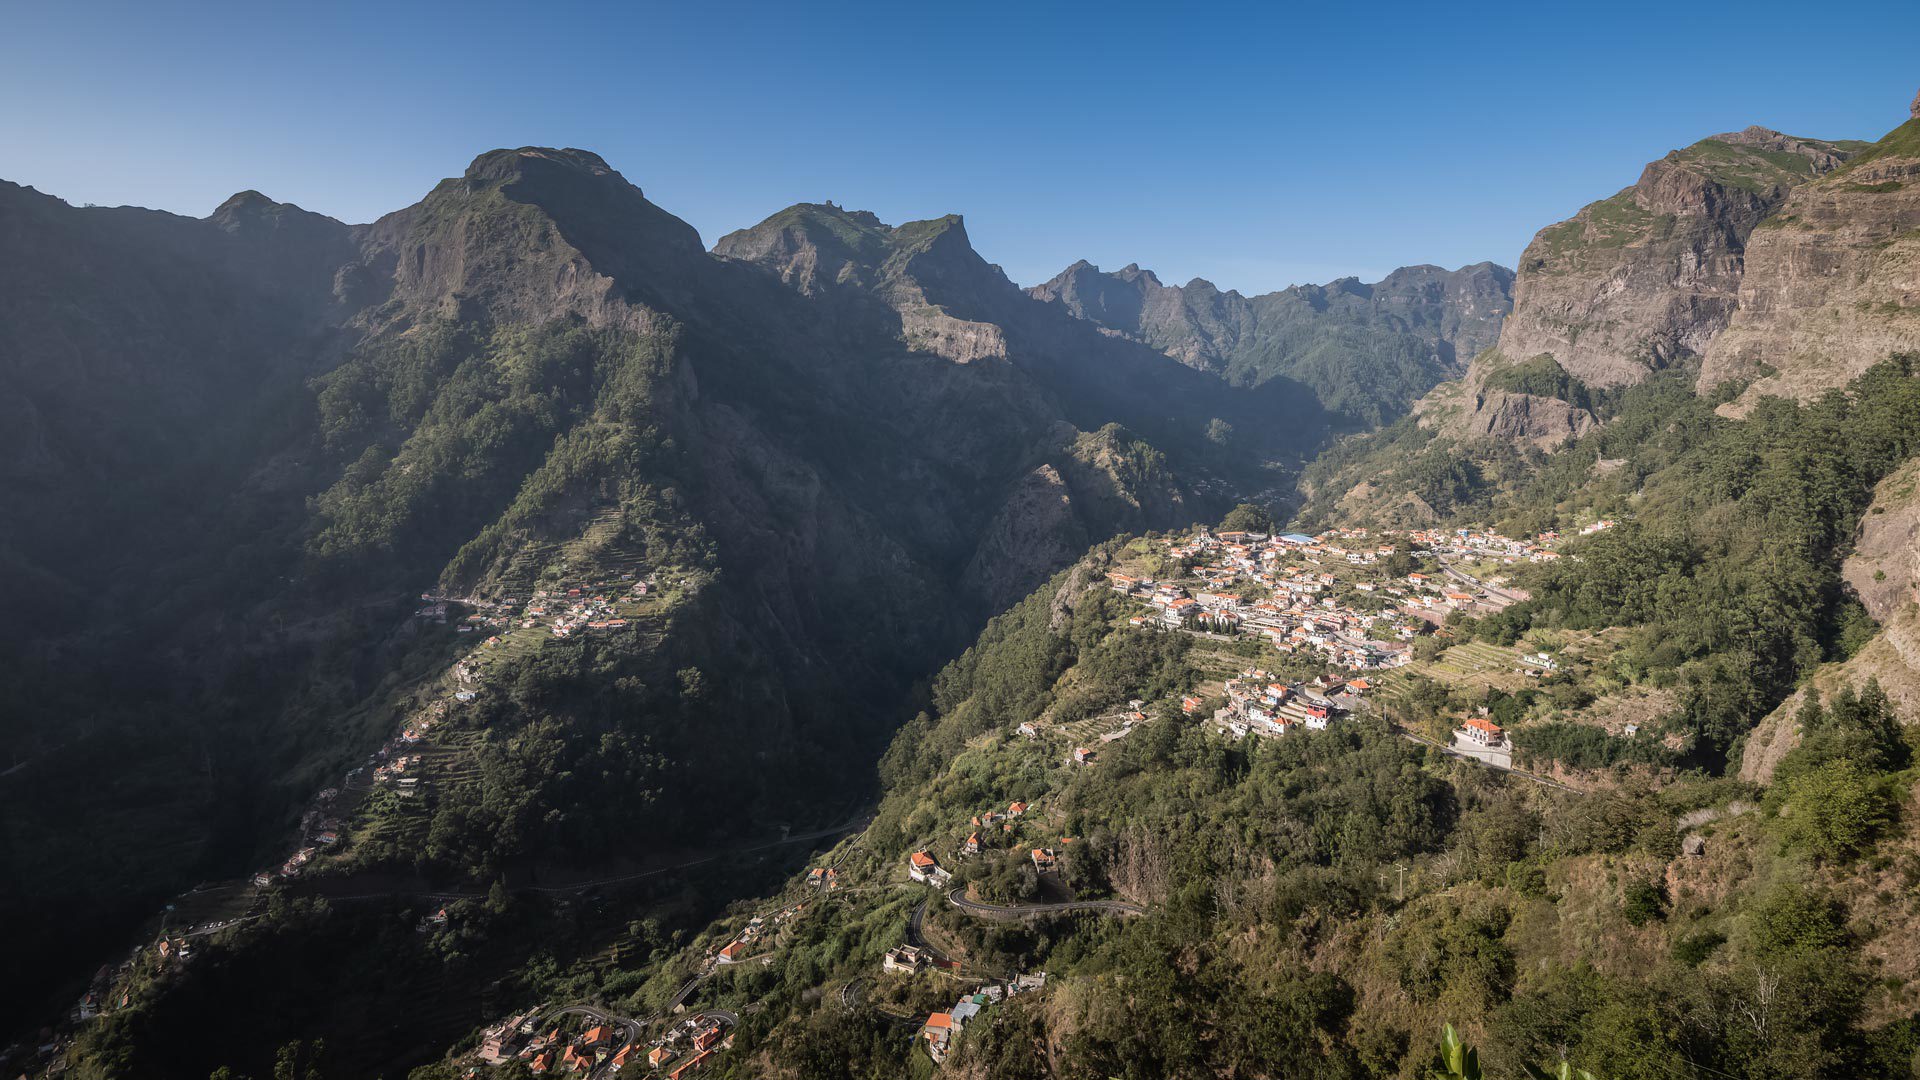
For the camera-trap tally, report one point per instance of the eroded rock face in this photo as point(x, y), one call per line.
point(1885, 565)
point(1883, 572)
point(1832, 282)
point(1650, 276)
point(1641, 281)
point(1526, 418)
point(1086, 484)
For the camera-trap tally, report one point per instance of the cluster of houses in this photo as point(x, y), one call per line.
point(565, 612)
point(923, 867)
point(1292, 616)
point(1015, 810)
point(603, 1047)
point(555, 1052)
point(942, 1028)
point(694, 1042)
point(1486, 544)
point(562, 610)
point(1259, 705)
point(758, 927)
point(1293, 576)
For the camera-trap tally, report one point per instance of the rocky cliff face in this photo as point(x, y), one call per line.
point(923, 286)
point(1648, 277)
point(1884, 572)
point(1367, 350)
point(1832, 282)
point(1637, 282)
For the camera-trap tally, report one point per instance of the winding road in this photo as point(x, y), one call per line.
point(957, 898)
point(1468, 579)
point(633, 1028)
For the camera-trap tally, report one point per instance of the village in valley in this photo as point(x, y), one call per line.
point(1304, 631)
point(1349, 604)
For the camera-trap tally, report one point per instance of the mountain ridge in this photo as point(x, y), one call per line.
point(1367, 350)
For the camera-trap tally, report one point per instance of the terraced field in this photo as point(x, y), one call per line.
point(1087, 732)
point(1473, 664)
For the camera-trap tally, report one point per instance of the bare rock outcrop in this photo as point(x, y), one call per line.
point(1543, 422)
point(1883, 571)
point(1637, 282)
point(1648, 277)
point(1832, 284)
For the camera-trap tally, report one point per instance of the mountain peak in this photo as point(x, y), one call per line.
point(510, 164)
point(243, 200)
point(249, 213)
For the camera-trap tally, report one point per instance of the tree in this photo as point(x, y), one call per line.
point(1833, 810)
point(1643, 902)
point(1248, 517)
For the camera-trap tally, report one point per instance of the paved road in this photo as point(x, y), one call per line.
point(1469, 579)
point(918, 939)
point(632, 1027)
point(957, 898)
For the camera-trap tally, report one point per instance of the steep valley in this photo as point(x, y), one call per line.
point(532, 380)
point(511, 637)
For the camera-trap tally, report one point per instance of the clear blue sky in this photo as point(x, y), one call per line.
point(1256, 145)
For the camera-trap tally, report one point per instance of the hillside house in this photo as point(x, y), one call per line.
point(1483, 732)
point(922, 866)
point(1045, 861)
point(938, 1031)
point(904, 960)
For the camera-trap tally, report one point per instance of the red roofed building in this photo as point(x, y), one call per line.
point(938, 1031)
point(689, 1065)
point(1485, 732)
